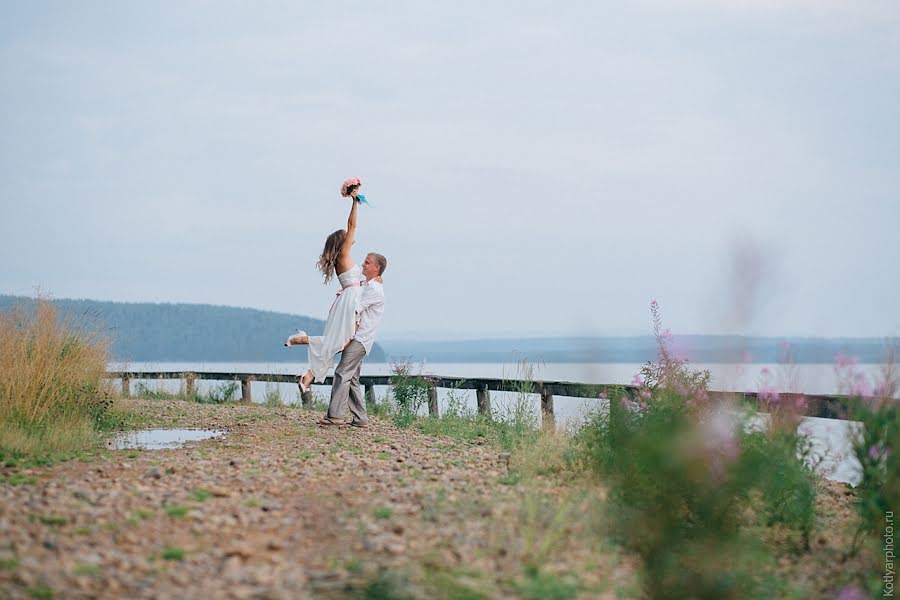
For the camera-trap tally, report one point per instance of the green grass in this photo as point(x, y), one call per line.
point(22, 460)
point(453, 584)
point(219, 394)
point(39, 591)
point(86, 569)
point(18, 479)
point(510, 479)
point(387, 585)
point(383, 512)
point(170, 553)
point(537, 585)
point(201, 495)
point(7, 564)
point(177, 511)
point(353, 565)
point(52, 520)
point(384, 455)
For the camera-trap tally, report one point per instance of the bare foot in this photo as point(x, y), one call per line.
point(304, 382)
point(298, 339)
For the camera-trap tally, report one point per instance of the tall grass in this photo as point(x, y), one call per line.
point(52, 395)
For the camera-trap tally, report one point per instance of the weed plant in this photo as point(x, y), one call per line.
point(53, 395)
point(219, 394)
point(410, 393)
point(688, 485)
point(510, 427)
point(875, 445)
point(376, 408)
point(273, 396)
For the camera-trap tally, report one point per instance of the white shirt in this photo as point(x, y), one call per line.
point(371, 309)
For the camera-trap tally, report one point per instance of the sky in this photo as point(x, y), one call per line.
point(537, 168)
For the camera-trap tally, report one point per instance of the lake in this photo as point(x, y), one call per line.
point(831, 438)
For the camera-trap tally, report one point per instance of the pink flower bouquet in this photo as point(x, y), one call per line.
point(345, 188)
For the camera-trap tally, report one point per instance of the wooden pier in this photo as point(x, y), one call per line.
point(827, 407)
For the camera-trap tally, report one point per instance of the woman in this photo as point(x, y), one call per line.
point(341, 324)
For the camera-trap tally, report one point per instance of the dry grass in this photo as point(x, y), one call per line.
point(51, 381)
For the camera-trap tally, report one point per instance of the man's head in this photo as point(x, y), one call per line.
point(374, 265)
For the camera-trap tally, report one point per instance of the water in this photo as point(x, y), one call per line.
point(160, 439)
point(830, 438)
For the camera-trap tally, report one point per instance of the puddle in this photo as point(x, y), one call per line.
point(160, 439)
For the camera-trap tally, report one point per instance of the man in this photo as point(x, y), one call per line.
point(345, 388)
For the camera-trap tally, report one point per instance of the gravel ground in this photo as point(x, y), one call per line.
point(282, 508)
point(277, 508)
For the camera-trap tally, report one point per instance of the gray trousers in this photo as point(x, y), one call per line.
point(345, 388)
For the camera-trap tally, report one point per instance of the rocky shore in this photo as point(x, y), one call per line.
point(276, 508)
point(282, 508)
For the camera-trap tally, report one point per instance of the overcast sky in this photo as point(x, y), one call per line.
point(538, 168)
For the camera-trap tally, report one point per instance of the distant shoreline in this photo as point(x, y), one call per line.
point(163, 332)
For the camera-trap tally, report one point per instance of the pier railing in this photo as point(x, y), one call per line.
point(828, 407)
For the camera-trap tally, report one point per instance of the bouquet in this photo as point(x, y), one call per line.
point(349, 186)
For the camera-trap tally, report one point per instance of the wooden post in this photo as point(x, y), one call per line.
point(245, 390)
point(548, 419)
point(126, 387)
point(483, 398)
point(189, 380)
point(370, 393)
point(432, 401)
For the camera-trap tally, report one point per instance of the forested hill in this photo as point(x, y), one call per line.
point(189, 332)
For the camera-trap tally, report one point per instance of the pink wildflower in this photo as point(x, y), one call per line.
point(842, 361)
point(602, 396)
point(860, 386)
point(767, 395)
point(878, 451)
point(852, 592)
point(637, 380)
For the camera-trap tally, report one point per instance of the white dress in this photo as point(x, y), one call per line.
point(340, 326)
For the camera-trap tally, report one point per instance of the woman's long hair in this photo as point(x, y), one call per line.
point(328, 261)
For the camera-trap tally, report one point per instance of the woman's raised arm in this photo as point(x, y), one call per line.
point(351, 229)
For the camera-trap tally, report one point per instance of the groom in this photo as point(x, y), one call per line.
point(345, 388)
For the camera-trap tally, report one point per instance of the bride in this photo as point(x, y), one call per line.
point(341, 324)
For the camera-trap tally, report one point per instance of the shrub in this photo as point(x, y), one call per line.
point(410, 393)
point(52, 388)
point(875, 444)
point(220, 394)
point(684, 479)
